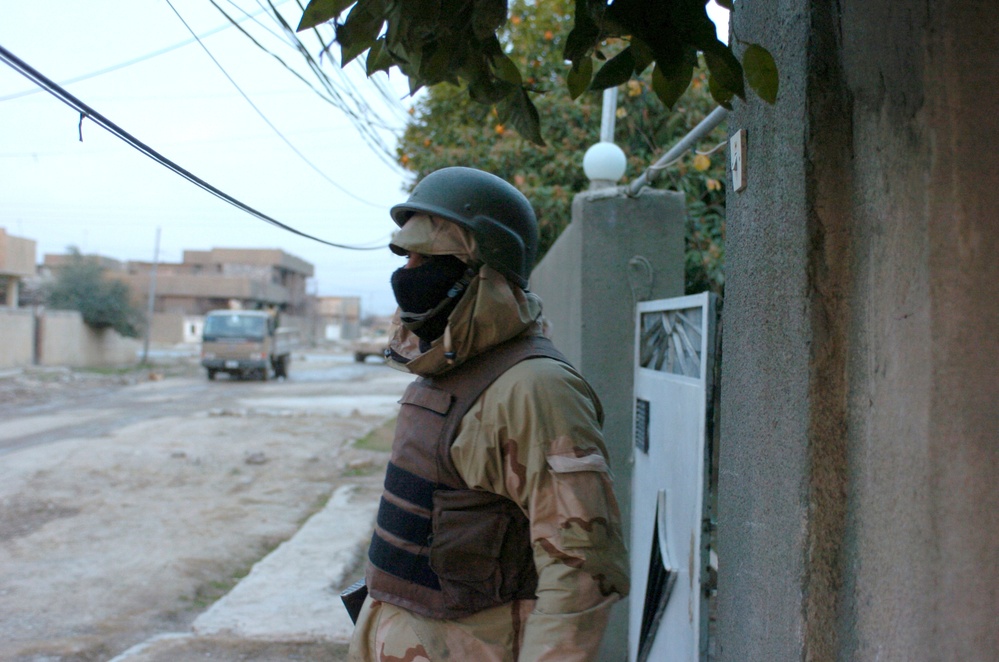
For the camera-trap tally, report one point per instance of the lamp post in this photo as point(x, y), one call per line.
point(604, 162)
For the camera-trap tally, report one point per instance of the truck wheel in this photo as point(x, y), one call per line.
point(359, 357)
point(211, 375)
point(281, 367)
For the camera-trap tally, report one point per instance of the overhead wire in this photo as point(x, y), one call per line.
point(342, 94)
point(331, 93)
point(361, 109)
point(391, 101)
point(135, 60)
point(290, 38)
point(86, 112)
point(359, 117)
point(268, 122)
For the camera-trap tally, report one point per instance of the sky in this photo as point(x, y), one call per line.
point(105, 197)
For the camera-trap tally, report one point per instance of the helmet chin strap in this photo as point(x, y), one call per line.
point(415, 321)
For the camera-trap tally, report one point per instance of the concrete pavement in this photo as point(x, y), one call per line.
point(288, 607)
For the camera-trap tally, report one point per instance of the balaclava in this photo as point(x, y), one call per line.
point(428, 293)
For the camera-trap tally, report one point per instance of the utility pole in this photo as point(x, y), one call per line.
point(152, 299)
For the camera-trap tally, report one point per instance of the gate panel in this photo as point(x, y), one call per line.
point(671, 506)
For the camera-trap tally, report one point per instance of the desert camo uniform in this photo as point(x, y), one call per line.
point(533, 437)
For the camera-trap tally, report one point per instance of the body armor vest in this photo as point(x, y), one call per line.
point(439, 548)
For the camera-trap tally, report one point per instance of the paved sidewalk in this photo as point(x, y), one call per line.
point(288, 606)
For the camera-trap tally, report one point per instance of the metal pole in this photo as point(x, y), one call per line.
point(152, 299)
point(707, 125)
point(608, 115)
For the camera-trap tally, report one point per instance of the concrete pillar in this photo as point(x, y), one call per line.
point(858, 514)
point(617, 251)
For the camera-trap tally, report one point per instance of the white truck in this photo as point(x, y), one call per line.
point(246, 343)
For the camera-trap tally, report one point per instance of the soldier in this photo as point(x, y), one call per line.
point(498, 535)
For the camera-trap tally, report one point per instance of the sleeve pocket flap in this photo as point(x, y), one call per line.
point(566, 464)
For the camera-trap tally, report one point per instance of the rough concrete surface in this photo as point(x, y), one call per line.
point(159, 516)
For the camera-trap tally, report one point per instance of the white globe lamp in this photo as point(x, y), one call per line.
point(604, 165)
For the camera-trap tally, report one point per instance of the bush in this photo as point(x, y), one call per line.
point(104, 304)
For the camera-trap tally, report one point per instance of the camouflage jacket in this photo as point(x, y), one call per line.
point(533, 437)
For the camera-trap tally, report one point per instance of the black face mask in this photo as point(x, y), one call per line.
point(422, 289)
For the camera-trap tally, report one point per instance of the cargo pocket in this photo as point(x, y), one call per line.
point(582, 486)
point(466, 548)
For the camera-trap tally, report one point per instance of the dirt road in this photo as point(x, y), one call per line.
point(128, 505)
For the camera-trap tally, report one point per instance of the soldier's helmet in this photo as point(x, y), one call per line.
point(498, 215)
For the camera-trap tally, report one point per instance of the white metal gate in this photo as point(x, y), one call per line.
point(671, 521)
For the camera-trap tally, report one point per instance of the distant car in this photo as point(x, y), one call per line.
point(365, 347)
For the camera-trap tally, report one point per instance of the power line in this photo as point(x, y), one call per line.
point(86, 112)
point(351, 89)
point(343, 96)
point(135, 60)
point(267, 121)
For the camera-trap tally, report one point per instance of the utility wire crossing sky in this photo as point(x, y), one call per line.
point(246, 103)
point(89, 114)
point(291, 151)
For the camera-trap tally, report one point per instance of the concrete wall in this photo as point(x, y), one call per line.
point(585, 282)
point(17, 255)
point(617, 251)
point(859, 516)
point(67, 341)
point(168, 327)
point(17, 337)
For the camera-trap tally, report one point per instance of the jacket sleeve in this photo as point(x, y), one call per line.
point(534, 437)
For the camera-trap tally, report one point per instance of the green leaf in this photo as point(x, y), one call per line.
point(693, 26)
point(618, 70)
point(379, 59)
point(348, 53)
point(722, 94)
point(415, 84)
point(505, 69)
point(643, 55)
point(761, 72)
point(726, 72)
point(400, 49)
point(487, 17)
point(360, 31)
point(669, 83)
point(435, 65)
point(483, 86)
point(415, 21)
point(318, 12)
point(725, 4)
point(488, 90)
point(578, 78)
point(522, 113)
point(584, 35)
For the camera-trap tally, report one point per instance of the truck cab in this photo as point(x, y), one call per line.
point(245, 343)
